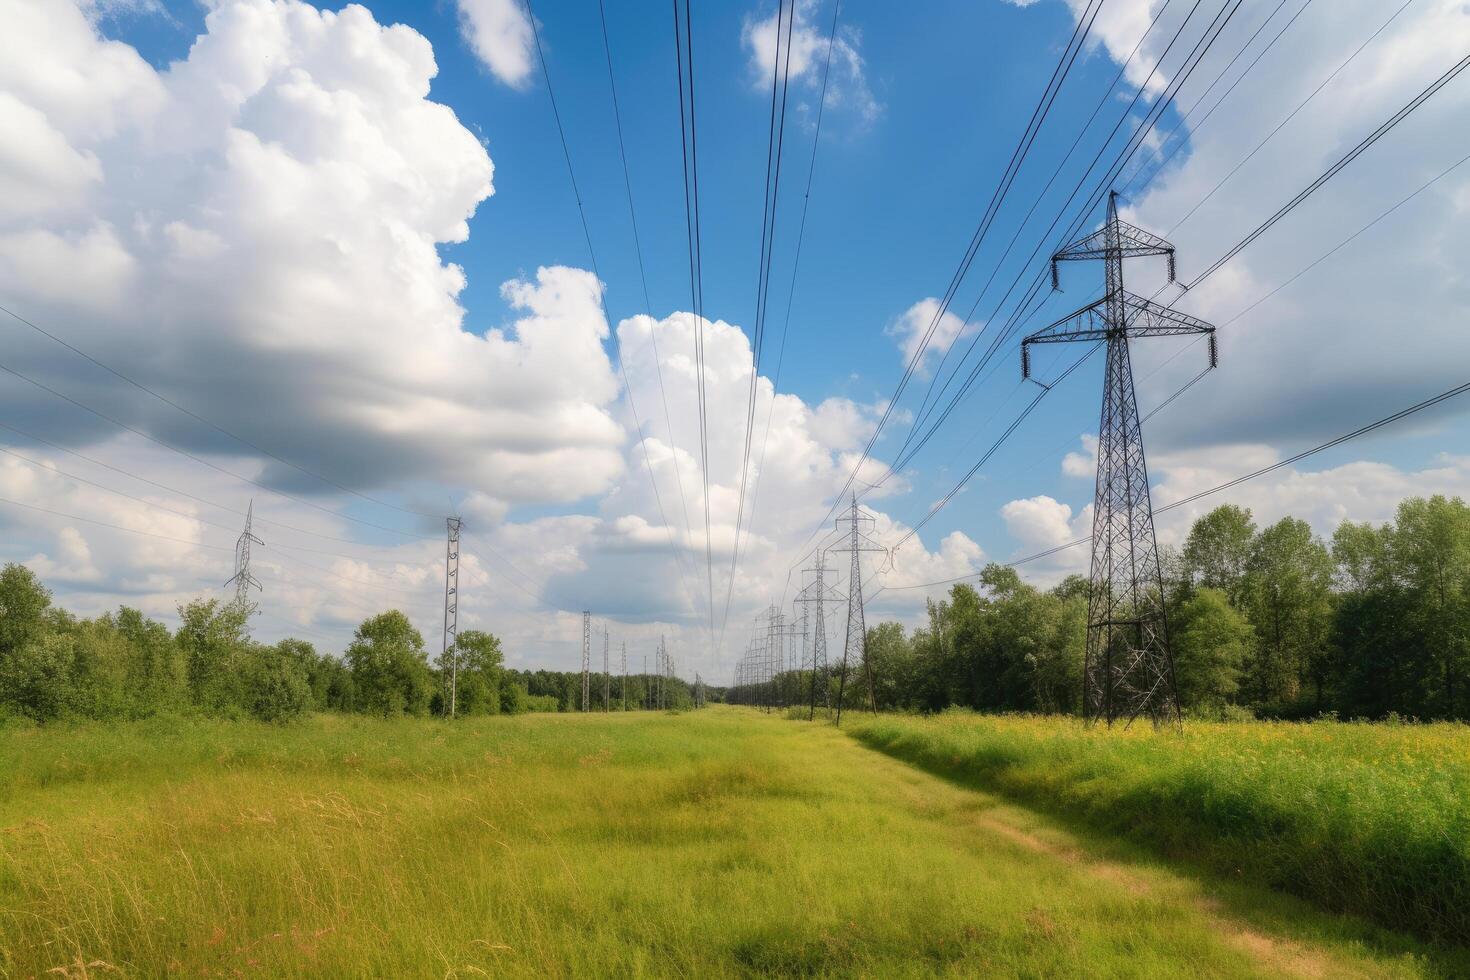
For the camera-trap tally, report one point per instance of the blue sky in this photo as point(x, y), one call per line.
point(894, 201)
point(924, 116)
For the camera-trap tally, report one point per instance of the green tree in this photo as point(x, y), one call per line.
point(513, 698)
point(1057, 666)
point(1287, 598)
point(1217, 552)
point(37, 678)
point(213, 638)
point(390, 669)
point(23, 604)
point(1211, 641)
point(1361, 553)
point(890, 660)
point(480, 658)
point(1430, 550)
point(156, 675)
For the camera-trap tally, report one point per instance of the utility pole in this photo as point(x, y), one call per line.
point(242, 579)
point(1129, 668)
point(815, 594)
point(448, 654)
point(586, 660)
point(857, 637)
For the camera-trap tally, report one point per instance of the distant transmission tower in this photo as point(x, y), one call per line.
point(1129, 668)
point(857, 636)
point(586, 660)
point(242, 579)
point(663, 674)
point(606, 677)
point(448, 654)
point(625, 675)
point(815, 594)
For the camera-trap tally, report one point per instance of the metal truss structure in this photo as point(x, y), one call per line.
point(1129, 669)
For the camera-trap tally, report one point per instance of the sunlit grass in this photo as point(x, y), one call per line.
point(1370, 818)
point(711, 844)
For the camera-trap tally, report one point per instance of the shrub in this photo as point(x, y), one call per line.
point(274, 685)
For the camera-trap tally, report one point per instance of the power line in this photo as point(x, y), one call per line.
point(1237, 316)
point(1038, 117)
point(1237, 481)
point(1289, 117)
point(1192, 61)
point(601, 293)
point(994, 447)
point(796, 261)
point(775, 146)
point(642, 273)
point(1020, 313)
point(1336, 168)
point(115, 527)
point(689, 148)
point(1185, 116)
point(1057, 172)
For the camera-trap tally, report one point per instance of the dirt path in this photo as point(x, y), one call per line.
point(979, 821)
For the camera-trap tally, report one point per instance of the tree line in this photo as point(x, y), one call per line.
point(122, 664)
point(1269, 621)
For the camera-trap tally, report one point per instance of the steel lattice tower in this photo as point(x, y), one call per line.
point(586, 660)
point(625, 675)
point(816, 593)
point(242, 579)
point(856, 645)
point(606, 676)
point(1129, 668)
point(448, 655)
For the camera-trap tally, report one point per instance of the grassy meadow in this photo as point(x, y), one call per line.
point(1367, 818)
point(715, 843)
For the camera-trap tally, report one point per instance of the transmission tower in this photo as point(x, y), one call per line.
point(816, 594)
point(777, 643)
point(606, 677)
point(1129, 669)
point(586, 660)
point(625, 675)
point(242, 579)
point(662, 673)
point(448, 655)
point(856, 645)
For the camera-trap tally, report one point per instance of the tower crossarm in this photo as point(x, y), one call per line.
point(1132, 241)
point(1088, 323)
point(1149, 319)
point(863, 543)
point(1119, 239)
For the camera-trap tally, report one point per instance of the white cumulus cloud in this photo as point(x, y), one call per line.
point(499, 32)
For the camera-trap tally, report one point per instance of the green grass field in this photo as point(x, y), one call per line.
point(717, 843)
point(1368, 818)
